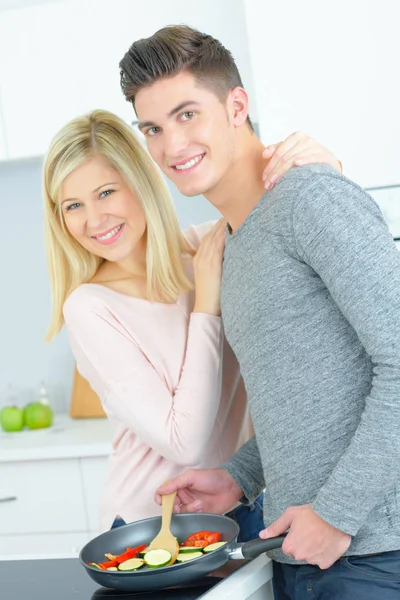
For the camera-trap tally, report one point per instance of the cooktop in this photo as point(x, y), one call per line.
point(65, 579)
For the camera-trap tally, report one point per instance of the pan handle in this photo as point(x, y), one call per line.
point(254, 548)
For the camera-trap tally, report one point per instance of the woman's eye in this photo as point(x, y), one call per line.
point(105, 193)
point(72, 206)
point(186, 116)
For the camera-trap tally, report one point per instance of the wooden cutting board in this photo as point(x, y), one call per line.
point(85, 403)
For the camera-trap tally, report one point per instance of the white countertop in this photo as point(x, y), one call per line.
point(66, 438)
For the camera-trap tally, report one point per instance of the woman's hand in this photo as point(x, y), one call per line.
point(296, 150)
point(208, 270)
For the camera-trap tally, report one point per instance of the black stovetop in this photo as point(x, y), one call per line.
point(66, 579)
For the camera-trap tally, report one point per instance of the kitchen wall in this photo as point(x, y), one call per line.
point(331, 69)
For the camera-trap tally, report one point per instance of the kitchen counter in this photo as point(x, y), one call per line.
point(66, 438)
point(65, 579)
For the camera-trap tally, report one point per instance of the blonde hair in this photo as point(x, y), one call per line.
point(101, 133)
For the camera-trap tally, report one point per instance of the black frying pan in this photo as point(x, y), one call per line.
point(117, 540)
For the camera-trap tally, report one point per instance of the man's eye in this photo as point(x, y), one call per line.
point(152, 131)
point(105, 193)
point(72, 206)
point(186, 116)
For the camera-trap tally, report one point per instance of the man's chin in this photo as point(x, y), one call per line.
point(192, 191)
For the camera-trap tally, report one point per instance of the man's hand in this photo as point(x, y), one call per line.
point(202, 490)
point(310, 538)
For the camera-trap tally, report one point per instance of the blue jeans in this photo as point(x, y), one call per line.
point(249, 518)
point(370, 577)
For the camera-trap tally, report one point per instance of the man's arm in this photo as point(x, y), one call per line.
point(246, 469)
point(341, 234)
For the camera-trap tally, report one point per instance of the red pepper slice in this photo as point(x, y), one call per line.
point(129, 553)
point(198, 543)
point(108, 564)
point(200, 535)
point(214, 537)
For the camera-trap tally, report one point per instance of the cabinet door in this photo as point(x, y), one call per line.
point(41, 497)
point(52, 72)
point(94, 473)
point(60, 59)
point(3, 141)
point(50, 545)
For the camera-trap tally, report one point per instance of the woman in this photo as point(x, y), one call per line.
point(150, 343)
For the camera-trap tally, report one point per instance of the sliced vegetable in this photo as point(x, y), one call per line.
point(200, 535)
point(188, 549)
point(96, 566)
point(113, 568)
point(129, 553)
point(212, 547)
point(196, 543)
point(185, 556)
point(143, 552)
point(213, 537)
point(131, 565)
point(110, 556)
point(157, 558)
point(109, 564)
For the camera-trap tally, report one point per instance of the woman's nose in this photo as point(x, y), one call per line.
point(95, 217)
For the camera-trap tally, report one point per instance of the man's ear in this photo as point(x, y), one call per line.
point(239, 106)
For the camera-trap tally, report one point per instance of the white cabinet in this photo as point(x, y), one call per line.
point(3, 141)
point(50, 506)
point(54, 70)
point(42, 545)
point(51, 482)
point(49, 497)
point(60, 59)
point(94, 472)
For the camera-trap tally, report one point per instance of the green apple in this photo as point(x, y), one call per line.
point(37, 415)
point(12, 418)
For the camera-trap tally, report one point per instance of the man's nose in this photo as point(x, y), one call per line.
point(175, 143)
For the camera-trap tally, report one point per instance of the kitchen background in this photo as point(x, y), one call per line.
point(328, 68)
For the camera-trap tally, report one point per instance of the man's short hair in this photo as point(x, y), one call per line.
point(174, 49)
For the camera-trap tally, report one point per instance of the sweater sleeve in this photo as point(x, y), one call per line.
point(246, 469)
point(176, 423)
point(341, 234)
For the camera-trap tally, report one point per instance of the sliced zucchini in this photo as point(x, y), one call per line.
point(95, 566)
point(132, 564)
point(187, 549)
point(213, 547)
point(184, 557)
point(112, 569)
point(157, 558)
point(143, 552)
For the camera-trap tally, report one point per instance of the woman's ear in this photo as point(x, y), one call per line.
point(239, 106)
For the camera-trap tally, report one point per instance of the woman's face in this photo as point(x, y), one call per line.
point(102, 213)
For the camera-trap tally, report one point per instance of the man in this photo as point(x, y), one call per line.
point(311, 307)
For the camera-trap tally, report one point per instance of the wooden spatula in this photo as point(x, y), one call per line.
point(164, 540)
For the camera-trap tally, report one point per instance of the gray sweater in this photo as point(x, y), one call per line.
point(311, 307)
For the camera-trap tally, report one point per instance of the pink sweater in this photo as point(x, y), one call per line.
point(169, 384)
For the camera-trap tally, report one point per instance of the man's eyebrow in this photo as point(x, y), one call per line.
point(143, 124)
point(94, 191)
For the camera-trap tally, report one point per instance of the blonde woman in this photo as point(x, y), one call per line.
point(140, 300)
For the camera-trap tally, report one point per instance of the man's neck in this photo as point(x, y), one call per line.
point(242, 187)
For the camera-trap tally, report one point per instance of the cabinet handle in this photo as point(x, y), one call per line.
point(9, 499)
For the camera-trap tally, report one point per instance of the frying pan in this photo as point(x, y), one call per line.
point(134, 534)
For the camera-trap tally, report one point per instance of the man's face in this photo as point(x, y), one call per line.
point(189, 132)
